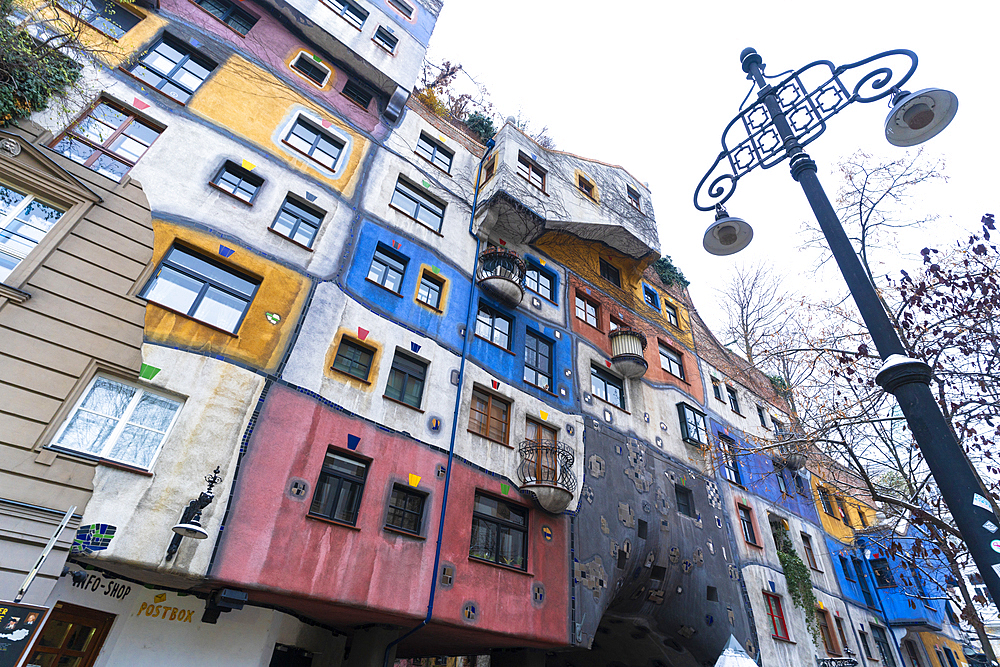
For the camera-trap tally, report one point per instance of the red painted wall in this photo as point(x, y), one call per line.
point(367, 573)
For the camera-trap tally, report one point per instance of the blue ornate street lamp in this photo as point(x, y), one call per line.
point(786, 117)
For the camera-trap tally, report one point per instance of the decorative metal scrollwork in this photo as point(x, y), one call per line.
point(751, 139)
point(546, 462)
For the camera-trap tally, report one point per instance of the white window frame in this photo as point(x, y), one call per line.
point(302, 53)
point(12, 217)
point(123, 421)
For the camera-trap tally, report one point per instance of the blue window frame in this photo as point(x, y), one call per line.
point(650, 296)
point(540, 281)
point(387, 269)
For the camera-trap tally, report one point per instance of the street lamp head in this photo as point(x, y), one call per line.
point(916, 117)
point(727, 235)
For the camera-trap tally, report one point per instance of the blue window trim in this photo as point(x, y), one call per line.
point(647, 288)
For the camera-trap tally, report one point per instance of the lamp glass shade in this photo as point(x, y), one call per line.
point(919, 116)
point(727, 236)
point(192, 529)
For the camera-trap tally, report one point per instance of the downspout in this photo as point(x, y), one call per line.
point(469, 325)
point(881, 606)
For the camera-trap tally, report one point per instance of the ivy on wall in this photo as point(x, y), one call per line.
point(797, 577)
point(669, 274)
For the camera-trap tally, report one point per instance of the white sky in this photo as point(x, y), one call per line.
point(651, 85)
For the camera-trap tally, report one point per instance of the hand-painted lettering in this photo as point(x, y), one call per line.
point(173, 613)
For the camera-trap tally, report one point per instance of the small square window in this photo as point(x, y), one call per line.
point(633, 197)
point(693, 428)
point(385, 39)
point(354, 359)
point(671, 361)
point(434, 152)
point(539, 281)
point(414, 202)
point(357, 93)
point(298, 221)
point(610, 273)
point(320, 147)
point(650, 296)
point(489, 416)
point(671, 314)
point(338, 491)
point(406, 510)
point(499, 532)
point(107, 16)
point(119, 421)
point(530, 171)
point(883, 573)
point(200, 288)
point(406, 379)
point(717, 388)
point(109, 139)
point(761, 416)
point(494, 326)
point(800, 486)
point(402, 7)
point(238, 182)
point(173, 68)
point(537, 361)
point(607, 387)
point(236, 18)
point(429, 291)
point(349, 11)
point(614, 323)
point(490, 169)
point(585, 186)
point(586, 310)
point(685, 500)
point(387, 268)
point(312, 68)
point(734, 401)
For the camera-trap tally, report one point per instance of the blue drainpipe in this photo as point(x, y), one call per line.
point(861, 542)
point(469, 325)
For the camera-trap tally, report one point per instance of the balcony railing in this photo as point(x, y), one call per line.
point(501, 275)
point(627, 346)
point(546, 469)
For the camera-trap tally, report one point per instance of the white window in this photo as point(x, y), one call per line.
point(24, 221)
point(119, 421)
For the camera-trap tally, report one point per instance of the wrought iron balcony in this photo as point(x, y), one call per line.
point(627, 346)
point(501, 275)
point(546, 469)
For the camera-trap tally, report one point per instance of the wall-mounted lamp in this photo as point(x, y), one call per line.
point(190, 525)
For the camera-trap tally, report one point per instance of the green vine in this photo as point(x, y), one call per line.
point(779, 384)
point(669, 274)
point(31, 72)
point(798, 578)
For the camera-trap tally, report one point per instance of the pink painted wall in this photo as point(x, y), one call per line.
point(269, 544)
point(272, 44)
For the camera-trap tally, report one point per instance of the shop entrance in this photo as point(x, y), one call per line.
point(72, 637)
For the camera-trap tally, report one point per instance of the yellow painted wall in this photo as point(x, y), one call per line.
point(583, 257)
point(113, 52)
point(833, 525)
point(331, 354)
point(253, 104)
point(258, 343)
point(932, 640)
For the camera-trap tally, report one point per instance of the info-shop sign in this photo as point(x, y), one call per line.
point(18, 625)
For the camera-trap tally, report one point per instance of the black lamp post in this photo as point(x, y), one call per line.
point(784, 118)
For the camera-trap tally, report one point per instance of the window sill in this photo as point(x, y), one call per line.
point(230, 194)
point(316, 164)
point(487, 340)
point(443, 171)
point(14, 294)
point(547, 391)
point(147, 86)
point(592, 326)
point(400, 531)
point(428, 306)
point(353, 377)
point(509, 568)
point(365, 109)
point(218, 20)
point(379, 45)
point(754, 545)
point(289, 239)
point(98, 460)
point(304, 77)
point(618, 407)
point(550, 300)
point(195, 319)
point(403, 403)
point(815, 569)
point(334, 522)
point(542, 189)
point(422, 224)
point(782, 639)
point(486, 437)
point(380, 286)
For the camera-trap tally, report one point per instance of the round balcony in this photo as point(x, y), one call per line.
point(546, 469)
point(627, 346)
point(501, 275)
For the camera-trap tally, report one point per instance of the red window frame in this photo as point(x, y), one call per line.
point(777, 615)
